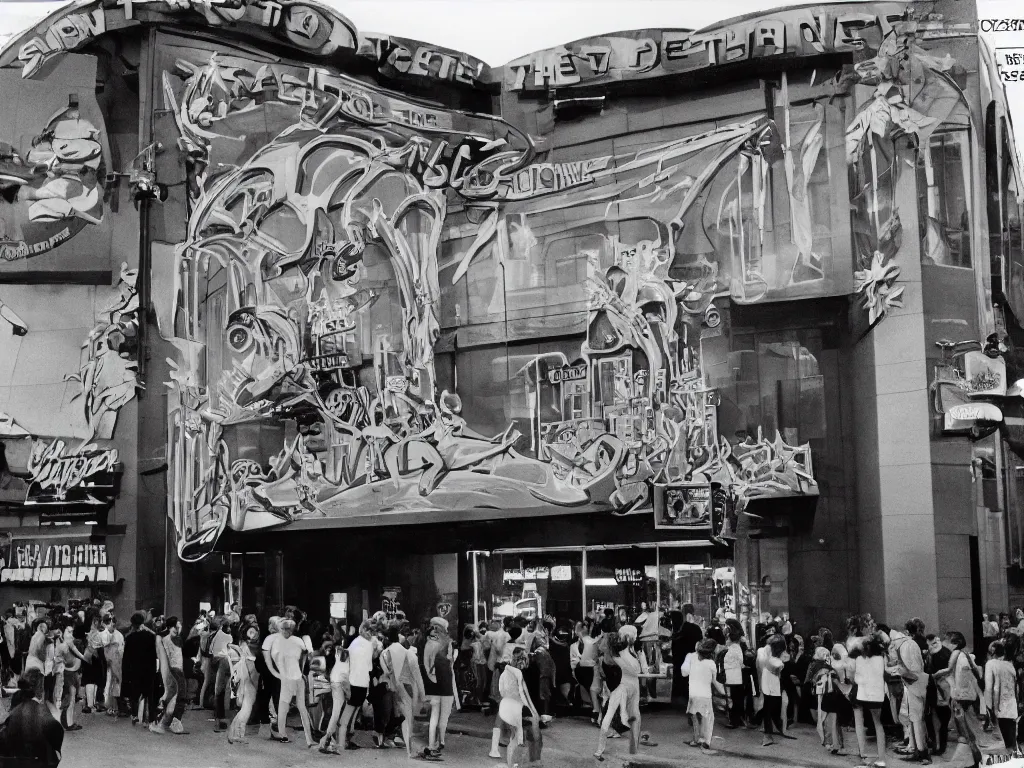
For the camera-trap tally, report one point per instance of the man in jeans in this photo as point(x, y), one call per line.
point(171, 664)
point(220, 669)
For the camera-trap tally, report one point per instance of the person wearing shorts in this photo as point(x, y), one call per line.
point(869, 678)
point(361, 653)
point(514, 696)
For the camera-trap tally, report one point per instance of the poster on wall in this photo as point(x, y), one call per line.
point(682, 505)
point(54, 160)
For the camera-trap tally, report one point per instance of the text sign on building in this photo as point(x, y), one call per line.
point(65, 475)
point(64, 561)
point(682, 505)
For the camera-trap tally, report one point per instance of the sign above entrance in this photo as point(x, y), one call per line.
point(682, 505)
point(66, 561)
point(63, 475)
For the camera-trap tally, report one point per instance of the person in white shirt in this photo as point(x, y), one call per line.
point(700, 667)
point(771, 688)
point(732, 664)
point(1000, 694)
point(361, 653)
point(286, 655)
point(402, 671)
point(869, 676)
point(341, 691)
point(113, 652)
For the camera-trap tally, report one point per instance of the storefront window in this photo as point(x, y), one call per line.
point(530, 585)
point(624, 580)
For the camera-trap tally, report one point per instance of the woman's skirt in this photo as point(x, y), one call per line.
point(93, 672)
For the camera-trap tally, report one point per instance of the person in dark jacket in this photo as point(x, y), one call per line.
point(31, 737)
point(139, 676)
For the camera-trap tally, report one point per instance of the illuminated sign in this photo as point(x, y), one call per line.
point(976, 412)
point(629, 575)
point(63, 561)
point(64, 476)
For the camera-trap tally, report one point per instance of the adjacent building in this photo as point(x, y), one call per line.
point(305, 314)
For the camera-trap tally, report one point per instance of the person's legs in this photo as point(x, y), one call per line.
point(435, 718)
point(943, 715)
point(337, 707)
point(221, 692)
point(736, 705)
point(172, 696)
point(178, 708)
point(858, 725)
point(204, 666)
point(876, 717)
point(1008, 729)
point(300, 701)
point(447, 702)
point(837, 731)
point(343, 725)
point(284, 703)
point(606, 727)
point(514, 740)
point(767, 720)
point(709, 729)
point(248, 700)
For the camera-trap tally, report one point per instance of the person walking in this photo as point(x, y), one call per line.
point(939, 694)
point(173, 671)
point(514, 697)
point(245, 677)
point(702, 672)
point(732, 666)
point(139, 670)
point(93, 672)
point(270, 687)
point(625, 699)
point(1001, 694)
point(113, 655)
point(220, 670)
point(361, 653)
point(286, 656)
point(72, 658)
point(206, 668)
point(771, 690)
point(583, 660)
point(963, 683)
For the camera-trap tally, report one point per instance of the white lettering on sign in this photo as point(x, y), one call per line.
point(978, 412)
point(53, 469)
point(544, 178)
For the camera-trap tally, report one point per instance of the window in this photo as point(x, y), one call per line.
point(770, 382)
point(944, 201)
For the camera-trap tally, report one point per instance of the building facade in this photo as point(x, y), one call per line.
point(663, 316)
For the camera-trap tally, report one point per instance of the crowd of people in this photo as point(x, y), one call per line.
point(522, 672)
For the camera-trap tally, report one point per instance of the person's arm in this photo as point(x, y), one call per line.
point(574, 656)
point(989, 693)
point(714, 680)
point(271, 660)
point(685, 669)
point(941, 673)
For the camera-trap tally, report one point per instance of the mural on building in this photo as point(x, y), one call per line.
point(383, 307)
point(357, 211)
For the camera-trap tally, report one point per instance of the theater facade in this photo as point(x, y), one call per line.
point(306, 314)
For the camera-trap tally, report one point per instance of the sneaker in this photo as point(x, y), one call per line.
point(495, 754)
point(707, 750)
point(546, 718)
point(157, 728)
point(86, 710)
point(177, 727)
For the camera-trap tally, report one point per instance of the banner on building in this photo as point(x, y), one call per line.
point(48, 561)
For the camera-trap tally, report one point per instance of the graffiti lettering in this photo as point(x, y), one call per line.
point(54, 469)
point(66, 34)
point(545, 178)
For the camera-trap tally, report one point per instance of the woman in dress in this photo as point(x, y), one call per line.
point(93, 670)
point(438, 682)
point(245, 677)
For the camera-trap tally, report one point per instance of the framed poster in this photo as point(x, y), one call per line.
point(682, 505)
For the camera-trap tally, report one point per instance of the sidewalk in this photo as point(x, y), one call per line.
point(576, 737)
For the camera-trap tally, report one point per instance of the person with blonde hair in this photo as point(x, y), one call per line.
point(286, 656)
point(625, 699)
point(514, 696)
point(701, 669)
